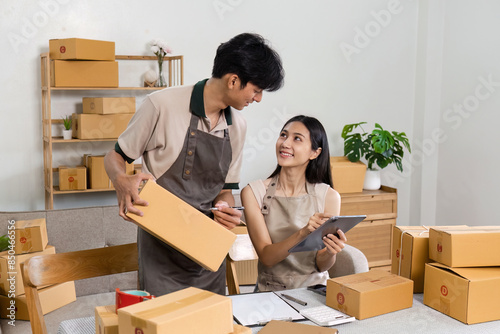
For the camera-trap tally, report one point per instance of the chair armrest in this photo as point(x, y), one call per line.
point(350, 261)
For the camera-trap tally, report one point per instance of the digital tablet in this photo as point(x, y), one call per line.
point(314, 241)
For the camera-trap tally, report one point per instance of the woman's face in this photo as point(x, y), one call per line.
point(293, 147)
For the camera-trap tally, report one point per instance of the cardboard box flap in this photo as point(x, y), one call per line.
point(471, 274)
point(371, 280)
point(280, 327)
point(29, 223)
point(463, 229)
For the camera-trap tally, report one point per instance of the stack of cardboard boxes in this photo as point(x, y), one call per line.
point(27, 239)
point(456, 267)
point(464, 282)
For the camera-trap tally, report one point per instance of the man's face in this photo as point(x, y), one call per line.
point(242, 97)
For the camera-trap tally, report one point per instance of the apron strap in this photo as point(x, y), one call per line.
point(191, 148)
point(266, 203)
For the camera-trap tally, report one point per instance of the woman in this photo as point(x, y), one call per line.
point(294, 201)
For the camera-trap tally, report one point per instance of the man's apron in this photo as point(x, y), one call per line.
point(197, 176)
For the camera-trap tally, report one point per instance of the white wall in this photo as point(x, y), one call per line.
point(345, 61)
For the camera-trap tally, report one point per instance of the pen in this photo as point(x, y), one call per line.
point(232, 207)
point(293, 299)
point(265, 322)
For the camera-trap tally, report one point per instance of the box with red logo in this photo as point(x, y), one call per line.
point(190, 310)
point(472, 246)
point(11, 281)
point(470, 295)
point(30, 236)
point(72, 178)
point(410, 252)
point(80, 48)
point(369, 294)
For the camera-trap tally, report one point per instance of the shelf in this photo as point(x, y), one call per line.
point(67, 141)
point(62, 192)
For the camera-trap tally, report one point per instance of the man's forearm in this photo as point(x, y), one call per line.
point(114, 165)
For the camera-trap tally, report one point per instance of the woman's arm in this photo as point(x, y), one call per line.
point(269, 253)
point(326, 257)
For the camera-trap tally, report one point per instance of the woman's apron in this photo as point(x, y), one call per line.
point(285, 216)
point(197, 176)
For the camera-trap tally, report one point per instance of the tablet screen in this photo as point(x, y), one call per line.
point(314, 241)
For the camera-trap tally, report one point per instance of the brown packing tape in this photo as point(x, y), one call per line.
point(139, 319)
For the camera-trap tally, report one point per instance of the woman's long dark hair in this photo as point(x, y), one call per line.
point(318, 170)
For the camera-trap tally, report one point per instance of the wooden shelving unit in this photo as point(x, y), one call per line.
point(175, 65)
point(373, 236)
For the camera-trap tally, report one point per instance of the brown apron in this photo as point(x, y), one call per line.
point(197, 176)
point(285, 216)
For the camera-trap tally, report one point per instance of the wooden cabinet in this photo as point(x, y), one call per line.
point(373, 236)
point(175, 77)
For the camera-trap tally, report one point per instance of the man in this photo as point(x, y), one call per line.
point(191, 142)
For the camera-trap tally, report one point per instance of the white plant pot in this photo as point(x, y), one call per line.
point(67, 134)
point(372, 180)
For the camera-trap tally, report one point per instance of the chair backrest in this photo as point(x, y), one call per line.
point(64, 267)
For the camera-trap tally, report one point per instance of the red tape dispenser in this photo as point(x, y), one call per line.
point(126, 298)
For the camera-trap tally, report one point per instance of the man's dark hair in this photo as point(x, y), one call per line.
point(252, 59)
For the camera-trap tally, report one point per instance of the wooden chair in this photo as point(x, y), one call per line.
point(64, 267)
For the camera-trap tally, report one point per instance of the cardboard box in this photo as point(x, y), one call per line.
point(11, 281)
point(189, 310)
point(369, 294)
point(87, 126)
point(410, 259)
point(97, 176)
point(83, 49)
point(246, 270)
point(74, 178)
point(238, 329)
point(474, 246)
point(286, 327)
point(85, 73)
point(106, 320)
point(348, 177)
point(51, 298)
point(183, 227)
point(108, 105)
point(30, 236)
point(470, 295)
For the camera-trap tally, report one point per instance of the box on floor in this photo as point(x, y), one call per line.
point(80, 48)
point(190, 310)
point(30, 236)
point(470, 295)
point(11, 281)
point(471, 246)
point(369, 294)
point(72, 178)
point(51, 298)
point(410, 259)
point(187, 230)
point(84, 73)
point(90, 126)
point(108, 105)
point(347, 176)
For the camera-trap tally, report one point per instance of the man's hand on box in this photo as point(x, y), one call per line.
point(127, 193)
point(226, 216)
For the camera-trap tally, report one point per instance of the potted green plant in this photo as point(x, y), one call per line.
point(67, 131)
point(379, 147)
